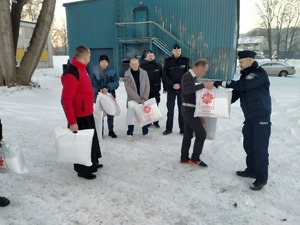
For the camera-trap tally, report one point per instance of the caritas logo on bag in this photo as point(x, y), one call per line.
point(207, 101)
point(3, 166)
point(148, 112)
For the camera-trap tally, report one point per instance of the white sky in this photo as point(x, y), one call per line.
point(248, 13)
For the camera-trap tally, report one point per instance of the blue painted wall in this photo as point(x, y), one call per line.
point(205, 28)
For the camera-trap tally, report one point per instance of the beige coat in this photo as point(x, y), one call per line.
point(131, 88)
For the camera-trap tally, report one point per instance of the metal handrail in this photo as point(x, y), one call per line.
point(159, 26)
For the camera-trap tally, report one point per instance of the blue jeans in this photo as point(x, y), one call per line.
point(131, 128)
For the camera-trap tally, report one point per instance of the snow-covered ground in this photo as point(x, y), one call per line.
point(143, 182)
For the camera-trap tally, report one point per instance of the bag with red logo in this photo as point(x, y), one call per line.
point(148, 112)
point(210, 126)
point(12, 159)
point(213, 103)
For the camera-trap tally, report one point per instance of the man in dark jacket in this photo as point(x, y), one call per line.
point(193, 125)
point(154, 71)
point(174, 68)
point(78, 101)
point(253, 91)
point(105, 80)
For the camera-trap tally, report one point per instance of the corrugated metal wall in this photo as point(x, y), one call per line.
point(91, 23)
point(208, 27)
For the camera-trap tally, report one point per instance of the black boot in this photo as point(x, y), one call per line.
point(4, 202)
point(245, 173)
point(112, 134)
point(258, 184)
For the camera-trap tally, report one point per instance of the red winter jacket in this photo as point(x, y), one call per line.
point(77, 94)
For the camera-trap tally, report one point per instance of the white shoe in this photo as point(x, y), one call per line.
point(129, 138)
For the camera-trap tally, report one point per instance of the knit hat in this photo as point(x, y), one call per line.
point(246, 54)
point(103, 57)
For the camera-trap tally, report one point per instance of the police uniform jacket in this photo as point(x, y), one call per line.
point(154, 71)
point(173, 71)
point(253, 91)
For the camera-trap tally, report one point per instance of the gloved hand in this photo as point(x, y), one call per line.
point(217, 83)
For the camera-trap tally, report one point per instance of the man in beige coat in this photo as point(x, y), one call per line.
point(137, 86)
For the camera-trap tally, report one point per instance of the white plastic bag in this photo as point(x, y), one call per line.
point(108, 104)
point(12, 160)
point(210, 126)
point(98, 117)
point(74, 147)
point(148, 112)
point(213, 103)
point(131, 117)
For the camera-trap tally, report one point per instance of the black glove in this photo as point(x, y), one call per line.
point(217, 83)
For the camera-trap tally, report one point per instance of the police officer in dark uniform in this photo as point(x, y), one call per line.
point(253, 91)
point(154, 71)
point(174, 68)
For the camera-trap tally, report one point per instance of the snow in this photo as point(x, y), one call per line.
point(143, 182)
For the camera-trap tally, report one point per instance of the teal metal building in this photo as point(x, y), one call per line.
point(122, 29)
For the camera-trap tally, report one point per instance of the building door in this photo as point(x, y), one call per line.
point(141, 15)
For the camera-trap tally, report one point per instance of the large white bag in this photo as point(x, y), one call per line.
point(12, 159)
point(74, 147)
point(148, 112)
point(131, 117)
point(108, 104)
point(213, 103)
point(98, 117)
point(210, 126)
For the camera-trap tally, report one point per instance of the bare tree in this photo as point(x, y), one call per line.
point(31, 10)
point(282, 13)
point(267, 14)
point(10, 18)
point(293, 22)
point(59, 36)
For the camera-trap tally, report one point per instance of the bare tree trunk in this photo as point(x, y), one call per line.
point(269, 31)
point(267, 12)
point(16, 11)
point(37, 43)
point(7, 53)
point(286, 41)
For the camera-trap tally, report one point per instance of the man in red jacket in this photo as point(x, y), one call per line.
point(78, 100)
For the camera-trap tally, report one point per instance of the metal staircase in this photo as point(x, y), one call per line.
point(131, 35)
point(157, 35)
point(158, 43)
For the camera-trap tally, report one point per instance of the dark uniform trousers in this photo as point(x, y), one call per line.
point(256, 134)
point(110, 119)
point(192, 125)
point(171, 96)
point(156, 95)
point(89, 123)
point(110, 123)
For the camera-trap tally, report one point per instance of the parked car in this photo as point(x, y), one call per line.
point(280, 69)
